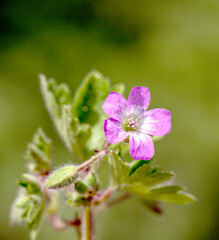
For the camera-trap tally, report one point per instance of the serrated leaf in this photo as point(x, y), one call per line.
point(27, 209)
point(89, 98)
point(62, 177)
point(145, 182)
point(119, 170)
point(76, 134)
point(146, 174)
point(55, 97)
point(39, 151)
point(35, 211)
point(137, 164)
point(87, 105)
point(79, 124)
point(30, 183)
point(58, 101)
point(34, 216)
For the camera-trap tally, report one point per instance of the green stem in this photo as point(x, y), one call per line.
point(93, 159)
point(87, 227)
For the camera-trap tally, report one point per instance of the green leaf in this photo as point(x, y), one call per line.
point(90, 97)
point(16, 211)
point(34, 233)
point(119, 88)
point(58, 101)
point(167, 189)
point(145, 182)
point(62, 177)
point(30, 183)
point(87, 105)
point(55, 98)
point(137, 164)
point(27, 209)
point(172, 195)
point(146, 174)
point(92, 181)
point(74, 199)
point(39, 151)
point(35, 208)
point(79, 123)
point(119, 170)
point(75, 134)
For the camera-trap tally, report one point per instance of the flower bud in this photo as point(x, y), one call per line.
point(80, 187)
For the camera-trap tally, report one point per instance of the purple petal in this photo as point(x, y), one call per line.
point(141, 146)
point(113, 131)
point(114, 105)
point(139, 97)
point(157, 122)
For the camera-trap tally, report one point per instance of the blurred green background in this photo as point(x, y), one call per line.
point(172, 47)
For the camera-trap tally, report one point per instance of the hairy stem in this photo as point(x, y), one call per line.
point(104, 196)
point(97, 157)
point(87, 227)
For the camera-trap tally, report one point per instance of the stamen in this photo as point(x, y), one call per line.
point(130, 124)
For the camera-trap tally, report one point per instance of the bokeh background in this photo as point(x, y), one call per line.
point(172, 47)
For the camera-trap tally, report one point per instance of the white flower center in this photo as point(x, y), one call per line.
point(130, 124)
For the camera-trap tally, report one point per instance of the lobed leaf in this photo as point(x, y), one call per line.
point(28, 206)
point(179, 198)
point(145, 182)
point(79, 123)
point(87, 106)
point(137, 164)
point(30, 183)
point(39, 152)
point(58, 101)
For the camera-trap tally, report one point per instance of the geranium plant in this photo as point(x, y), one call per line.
point(82, 124)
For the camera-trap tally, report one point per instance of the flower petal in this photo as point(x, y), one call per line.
point(157, 122)
point(114, 105)
point(141, 146)
point(113, 131)
point(139, 97)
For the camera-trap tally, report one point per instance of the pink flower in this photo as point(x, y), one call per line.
point(129, 119)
